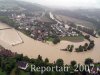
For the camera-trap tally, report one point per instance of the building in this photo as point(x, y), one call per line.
point(23, 65)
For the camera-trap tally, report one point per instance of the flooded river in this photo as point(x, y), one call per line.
point(33, 48)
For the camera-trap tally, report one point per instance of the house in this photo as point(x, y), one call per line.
point(23, 65)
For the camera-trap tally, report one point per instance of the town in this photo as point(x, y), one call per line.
point(44, 26)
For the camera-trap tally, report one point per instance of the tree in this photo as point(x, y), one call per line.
point(85, 46)
point(56, 40)
point(80, 48)
point(39, 58)
point(73, 63)
point(9, 65)
point(77, 49)
point(39, 61)
point(32, 60)
point(17, 71)
point(8, 21)
point(71, 48)
point(68, 47)
point(46, 60)
point(0, 61)
point(8, 69)
point(87, 37)
point(91, 45)
point(88, 61)
point(25, 58)
point(59, 62)
point(19, 57)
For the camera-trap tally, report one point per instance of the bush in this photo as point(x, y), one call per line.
point(80, 49)
point(56, 40)
point(87, 37)
point(91, 45)
point(59, 62)
point(88, 61)
point(73, 63)
point(71, 48)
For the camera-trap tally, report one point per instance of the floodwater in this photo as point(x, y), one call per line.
point(33, 48)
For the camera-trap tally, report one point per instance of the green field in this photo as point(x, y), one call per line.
point(68, 38)
point(49, 39)
point(73, 38)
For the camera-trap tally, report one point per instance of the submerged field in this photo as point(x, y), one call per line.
point(33, 48)
point(65, 19)
point(10, 36)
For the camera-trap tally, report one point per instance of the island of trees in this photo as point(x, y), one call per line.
point(85, 47)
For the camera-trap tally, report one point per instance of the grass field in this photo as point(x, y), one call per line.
point(69, 38)
point(73, 39)
point(49, 39)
